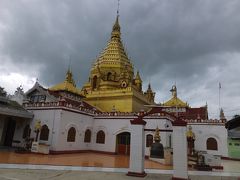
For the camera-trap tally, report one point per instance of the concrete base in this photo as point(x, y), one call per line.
point(176, 178)
point(135, 174)
point(158, 160)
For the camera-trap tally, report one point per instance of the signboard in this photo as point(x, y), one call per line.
point(34, 147)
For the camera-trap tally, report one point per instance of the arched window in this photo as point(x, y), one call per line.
point(109, 76)
point(44, 133)
point(212, 144)
point(149, 140)
point(87, 137)
point(100, 137)
point(94, 84)
point(71, 135)
point(26, 131)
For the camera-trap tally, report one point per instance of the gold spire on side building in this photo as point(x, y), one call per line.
point(175, 101)
point(149, 94)
point(67, 85)
point(138, 82)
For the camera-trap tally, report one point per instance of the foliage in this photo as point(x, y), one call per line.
point(3, 92)
point(236, 116)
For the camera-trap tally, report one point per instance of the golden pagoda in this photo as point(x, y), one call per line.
point(112, 84)
point(67, 85)
point(175, 101)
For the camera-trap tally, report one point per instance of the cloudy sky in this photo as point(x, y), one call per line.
point(193, 43)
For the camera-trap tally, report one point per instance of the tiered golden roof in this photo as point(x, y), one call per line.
point(112, 83)
point(175, 101)
point(114, 54)
point(67, 85)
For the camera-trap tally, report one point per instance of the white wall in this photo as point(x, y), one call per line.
point(205, 131)
point(111, 127)
point(49, 117)
point(60, 121)
point(80, 122)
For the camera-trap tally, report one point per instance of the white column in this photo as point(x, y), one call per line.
point(180, 162)
point(137, 149)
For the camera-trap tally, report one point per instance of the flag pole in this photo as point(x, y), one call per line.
point(219, 97)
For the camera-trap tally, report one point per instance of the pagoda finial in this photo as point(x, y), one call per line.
point(174, 91)
point(118, 7)
point(149, 86)
point(138, 76)
point(69, 77)
point(69, 63)
point(222, 116)
point(116, 27)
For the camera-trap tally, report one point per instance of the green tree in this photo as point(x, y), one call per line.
point(236, 116)
point(3, 92)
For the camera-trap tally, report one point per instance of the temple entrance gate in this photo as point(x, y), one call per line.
point(179, 141)
point(123, 143)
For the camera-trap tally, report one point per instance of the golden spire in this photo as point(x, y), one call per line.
point(149, 87)
point(114, 57)
point(174, 91)
point(116, 29)
point(69, 77)
point(138, 78)
point(175, 101)
point(68, 84)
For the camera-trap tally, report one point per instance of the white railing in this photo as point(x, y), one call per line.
point(59, 104)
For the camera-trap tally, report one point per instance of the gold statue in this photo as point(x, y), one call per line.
point(157, 137)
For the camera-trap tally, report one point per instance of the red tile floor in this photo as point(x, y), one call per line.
point(80, 159)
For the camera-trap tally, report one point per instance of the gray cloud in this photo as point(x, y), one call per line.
point(192, 42)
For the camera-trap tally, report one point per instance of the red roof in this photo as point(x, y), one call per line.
point(196, 113)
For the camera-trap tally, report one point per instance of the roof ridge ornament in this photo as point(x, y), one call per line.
point(174, 91)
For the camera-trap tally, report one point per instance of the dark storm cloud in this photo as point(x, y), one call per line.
point(184, 41)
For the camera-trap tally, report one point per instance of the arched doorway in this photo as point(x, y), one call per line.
point(10, 129)
point(212, 144)
point(123, 143)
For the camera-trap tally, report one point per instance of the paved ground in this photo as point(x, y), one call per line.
point(83, 166)
point(17, 174)
point(77, 159)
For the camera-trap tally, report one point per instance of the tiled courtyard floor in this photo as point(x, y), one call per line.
point(15, 166)
point(80, 159)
